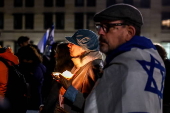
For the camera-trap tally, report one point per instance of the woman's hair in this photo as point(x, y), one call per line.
point(161, 50)
point(30, 53)
point(63, 59)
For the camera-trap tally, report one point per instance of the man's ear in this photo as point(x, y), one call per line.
point(131, 32)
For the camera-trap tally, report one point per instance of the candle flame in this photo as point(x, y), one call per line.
point(67, 74)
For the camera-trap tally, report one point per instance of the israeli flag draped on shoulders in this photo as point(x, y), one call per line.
point(132, 81)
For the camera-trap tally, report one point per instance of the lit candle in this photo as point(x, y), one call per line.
point(67, 74)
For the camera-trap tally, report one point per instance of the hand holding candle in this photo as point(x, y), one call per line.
point(66, 74)
point(63, 78)
point(56, 75)
point(65, 82)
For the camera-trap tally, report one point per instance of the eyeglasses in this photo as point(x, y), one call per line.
point(106, 27)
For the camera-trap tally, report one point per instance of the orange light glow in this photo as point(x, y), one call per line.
point(67, 74)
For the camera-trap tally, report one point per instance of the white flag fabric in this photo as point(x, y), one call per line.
point(50, 41)
point(42, 42)
point(132, 82)
point(46, 41)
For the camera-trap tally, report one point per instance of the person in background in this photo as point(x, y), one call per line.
point(33, 69)
point(49, 61)
point(87, 59)
point(166, 98)
point(63, 63)
point(23, 41)
point(63, 58)
point(12, 91)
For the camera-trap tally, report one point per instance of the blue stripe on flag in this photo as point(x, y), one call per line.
point(42, 42)
point(49, 42)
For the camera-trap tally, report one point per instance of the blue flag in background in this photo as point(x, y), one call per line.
point(42, 42)
point(46, 42)
point(50, 39)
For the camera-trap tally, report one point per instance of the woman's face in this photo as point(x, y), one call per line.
point(75, 50)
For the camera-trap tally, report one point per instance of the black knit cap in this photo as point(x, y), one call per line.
point(120, 12)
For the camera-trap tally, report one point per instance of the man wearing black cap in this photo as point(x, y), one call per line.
point(133, 77)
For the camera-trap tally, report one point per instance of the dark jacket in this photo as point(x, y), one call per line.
point(166, 93)
point(12, 84)
point(36, 83)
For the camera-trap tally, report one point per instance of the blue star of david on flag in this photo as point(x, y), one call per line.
point(151, 85)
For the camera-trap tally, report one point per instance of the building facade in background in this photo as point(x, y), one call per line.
point(33, 17)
